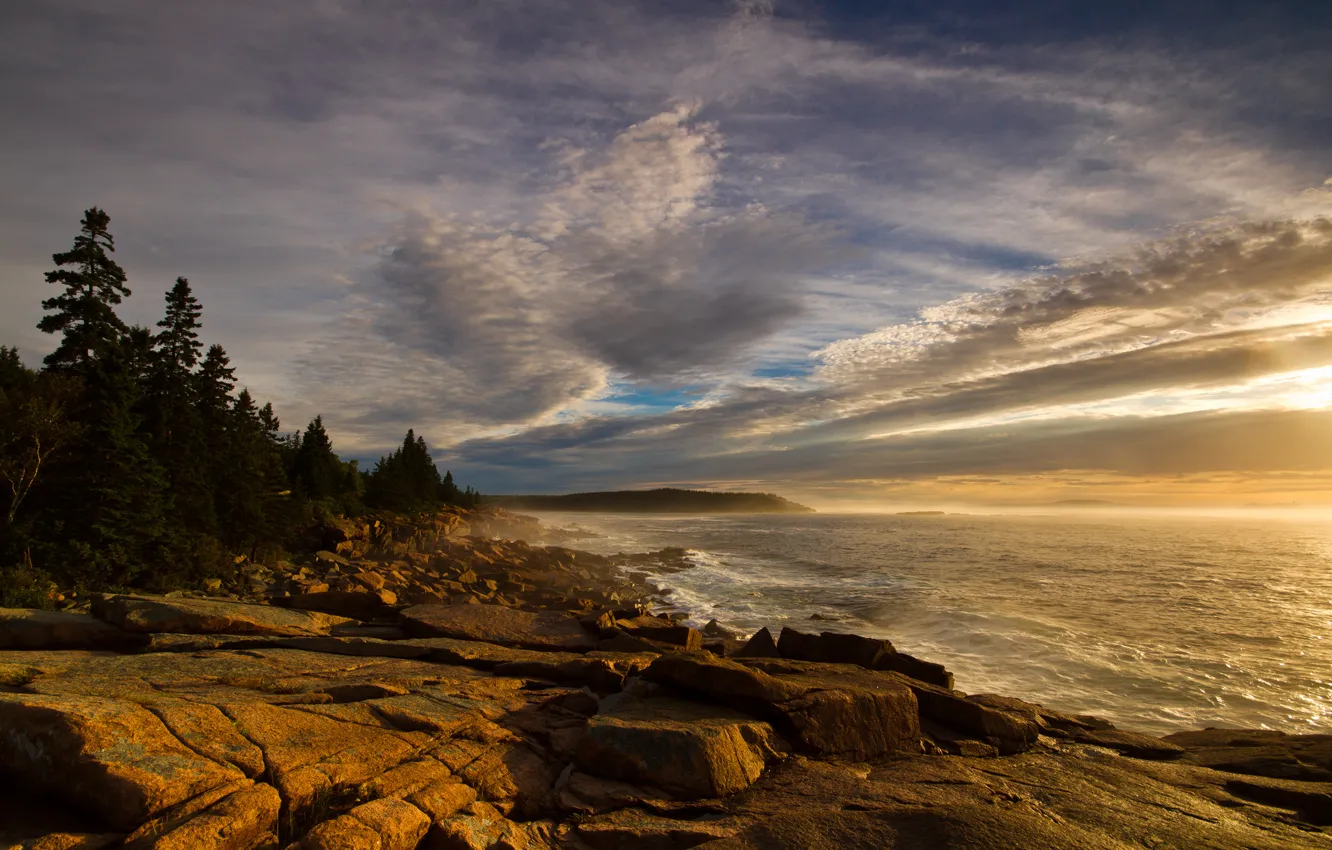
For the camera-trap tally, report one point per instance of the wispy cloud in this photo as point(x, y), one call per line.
point(491, 222)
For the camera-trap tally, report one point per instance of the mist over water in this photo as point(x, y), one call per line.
point(1155, 624)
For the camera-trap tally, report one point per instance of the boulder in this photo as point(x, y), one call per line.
point(760, 645)
point(662, 631)
point(116, 758)
point(833, 710)
point(31, 628)
point(870, 653)
point(499, 625)
point(832, 648)
point(908, 665)
point(1008, 732)
point(713, 629)
point(210, 616)
point(690, 749)
point(355, 604)
point(387, 824)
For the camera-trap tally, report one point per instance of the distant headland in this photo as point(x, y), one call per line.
point(661, 500)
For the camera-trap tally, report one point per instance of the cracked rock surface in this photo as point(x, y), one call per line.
point(501, 716)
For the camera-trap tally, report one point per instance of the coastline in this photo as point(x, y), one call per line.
point(443, 689)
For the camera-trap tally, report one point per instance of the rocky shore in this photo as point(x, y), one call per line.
point(430, 685)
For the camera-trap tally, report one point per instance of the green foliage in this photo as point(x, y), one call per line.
point(131, 461)
point(23, 586)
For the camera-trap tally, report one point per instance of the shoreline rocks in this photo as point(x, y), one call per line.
point(538, 705)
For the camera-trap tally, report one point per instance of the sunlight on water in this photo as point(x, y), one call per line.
point(1156, 624)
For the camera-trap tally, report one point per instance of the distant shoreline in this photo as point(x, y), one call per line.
point(662, 500)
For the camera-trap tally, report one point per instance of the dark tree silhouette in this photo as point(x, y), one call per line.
point(84, 313)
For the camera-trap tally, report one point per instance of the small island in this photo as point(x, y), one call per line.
point(662, 500)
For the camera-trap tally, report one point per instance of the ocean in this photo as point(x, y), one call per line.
point(1156, 623)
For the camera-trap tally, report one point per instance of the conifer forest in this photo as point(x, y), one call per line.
point(135, 459)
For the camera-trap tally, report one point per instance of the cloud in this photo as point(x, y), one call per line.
point(626, 271)
point(1081, 370)
point(490, 222)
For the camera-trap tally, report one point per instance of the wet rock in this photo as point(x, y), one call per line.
point(825, 709)
point(832, 648)
point(1259, 752)
point(113, 757)
point(713, 629)
point(29, 628)
point(724, 647)
point(690, 749)
point(1310, 802)
point(387, 824)
point(1051, 722)
point(870, 653)
point(1132, 744)
point(662, 631)
point(498, 625)
point(1008, 732)
point(761, 645)
point(209, 616)
point(913, 667)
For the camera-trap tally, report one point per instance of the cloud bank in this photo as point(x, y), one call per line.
point(607, 243)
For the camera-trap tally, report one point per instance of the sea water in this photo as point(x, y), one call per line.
point(1157, 624)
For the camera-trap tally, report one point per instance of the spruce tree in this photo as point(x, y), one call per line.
point(85, 312)
point(178, 342)
point(316, 470)
point(172, 415)
point(111, 524)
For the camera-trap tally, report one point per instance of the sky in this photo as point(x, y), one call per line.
point(855, 253)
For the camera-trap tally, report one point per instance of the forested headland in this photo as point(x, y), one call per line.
point(135, 458)
point(660, 500)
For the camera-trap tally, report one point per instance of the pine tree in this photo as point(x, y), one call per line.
point(178, 342)
point(172, 415)
point(84, 313)
point(111, 524)
point(407, 479)
point(316, 471)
